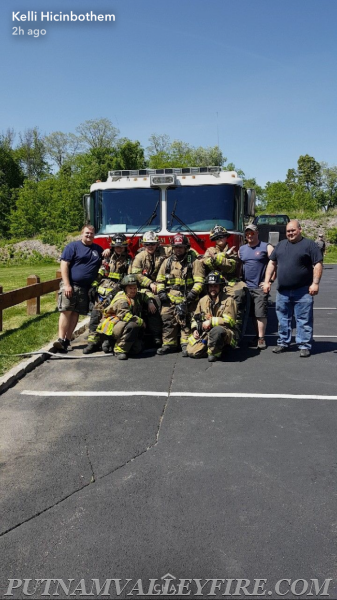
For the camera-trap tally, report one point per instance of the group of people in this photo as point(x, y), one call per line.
point(180, 298)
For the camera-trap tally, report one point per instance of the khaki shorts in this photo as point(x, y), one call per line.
point(79, 301)
point(259, 303)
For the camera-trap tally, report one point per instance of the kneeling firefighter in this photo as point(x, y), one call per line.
point(122, 324)
point(214, 321)
point(179, 283)
point(106, 287)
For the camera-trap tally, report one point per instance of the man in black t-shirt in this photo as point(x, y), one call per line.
point(299, 270)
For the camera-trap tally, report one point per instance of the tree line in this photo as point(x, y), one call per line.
point(43, 177)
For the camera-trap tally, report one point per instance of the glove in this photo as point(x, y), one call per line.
point(163, 297)
point(191, 297)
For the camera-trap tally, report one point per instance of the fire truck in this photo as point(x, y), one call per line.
point(190, 200)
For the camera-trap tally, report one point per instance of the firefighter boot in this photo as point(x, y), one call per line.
point(90, 348)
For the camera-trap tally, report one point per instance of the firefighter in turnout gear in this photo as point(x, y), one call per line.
point(179, 283)
point(213, 323)
point(145, 266)
point(224, 259)
point(122, 324)
point(107, 286)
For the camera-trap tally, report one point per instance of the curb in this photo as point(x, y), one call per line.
point(26, 366)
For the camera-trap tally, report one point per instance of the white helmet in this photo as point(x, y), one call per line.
point(150, 237)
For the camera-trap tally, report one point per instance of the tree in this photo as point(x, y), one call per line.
point(61, 146)
point(98, 133)
point(327, 196)
point(130, 155)
point(291, 179)
point(165, 154)
point(32, 154)
point(278, 197)
point(11, 177)
point(309, 172)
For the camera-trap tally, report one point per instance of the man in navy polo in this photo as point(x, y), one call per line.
point(254, 257)
point(80, 262)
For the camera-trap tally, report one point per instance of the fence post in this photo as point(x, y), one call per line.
point(33, 305)
point(58, 274)
point(1, 291)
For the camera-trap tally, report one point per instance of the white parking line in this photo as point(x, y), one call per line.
point(95, 394)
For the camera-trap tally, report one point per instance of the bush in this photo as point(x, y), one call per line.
point(332, 235)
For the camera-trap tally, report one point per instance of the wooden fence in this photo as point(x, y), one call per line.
point(30, 294)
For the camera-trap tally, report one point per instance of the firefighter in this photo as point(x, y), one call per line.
point(224, 259)
point(214, 321)
point(106, 287)
point(146, 265)
point(179, 283)
point(122, 324)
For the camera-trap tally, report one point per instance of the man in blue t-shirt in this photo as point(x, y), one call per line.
point(299, 271)
point(80, 262)
point(254, 257)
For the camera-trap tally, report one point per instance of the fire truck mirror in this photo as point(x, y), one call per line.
point(250, 199)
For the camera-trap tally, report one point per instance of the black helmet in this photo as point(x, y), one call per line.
point(214, 278)
point(119, 239)
point(129, 280)
point(180, 240)
point(218, 232)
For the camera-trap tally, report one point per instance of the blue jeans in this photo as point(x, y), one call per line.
point(300, 304)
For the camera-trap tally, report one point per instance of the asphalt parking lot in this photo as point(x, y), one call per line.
point(166, 468)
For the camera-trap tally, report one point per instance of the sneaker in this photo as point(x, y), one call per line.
point(212, 358)
point(280, 349)
point(61, 345)
point(261, 344)
point(304, 353)
point(122, 356)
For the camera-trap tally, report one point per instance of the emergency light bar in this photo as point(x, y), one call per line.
point(170, 171)
point(162, 179)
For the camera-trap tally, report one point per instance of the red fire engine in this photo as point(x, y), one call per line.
point(190, 200)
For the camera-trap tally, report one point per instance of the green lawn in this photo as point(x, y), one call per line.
point(22, 333)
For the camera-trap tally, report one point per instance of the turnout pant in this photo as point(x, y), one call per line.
point(211, 343)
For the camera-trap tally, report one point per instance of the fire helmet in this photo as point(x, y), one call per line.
point(214, 278)
point(129, 280)
point(150, 237)
point(180, 240)
point(119, 239)
point(218, 232)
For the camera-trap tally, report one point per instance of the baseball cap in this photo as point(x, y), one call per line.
point(251, 227)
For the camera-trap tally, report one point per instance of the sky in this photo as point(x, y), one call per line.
point(259, 76)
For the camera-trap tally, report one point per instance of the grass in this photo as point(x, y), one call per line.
point(331, 255)
point(23, 333)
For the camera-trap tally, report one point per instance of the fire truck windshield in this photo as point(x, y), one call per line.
point(126, 210)
point(202, 206)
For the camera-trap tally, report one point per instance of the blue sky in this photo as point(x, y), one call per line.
point(260, 74)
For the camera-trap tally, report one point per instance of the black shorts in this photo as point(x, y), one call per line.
point(258, 303)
